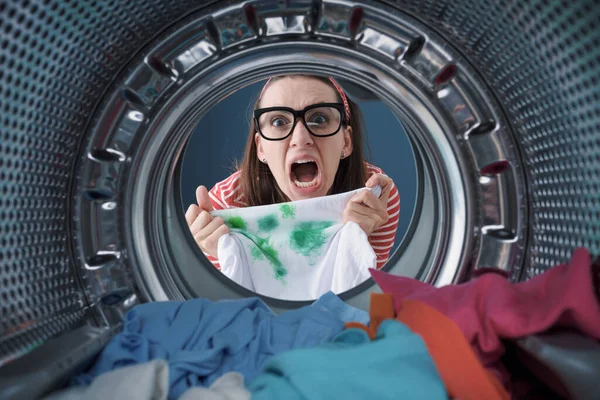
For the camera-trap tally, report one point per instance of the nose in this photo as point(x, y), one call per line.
point(301, 136)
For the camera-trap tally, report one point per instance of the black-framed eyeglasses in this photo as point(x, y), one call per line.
point(322, 120)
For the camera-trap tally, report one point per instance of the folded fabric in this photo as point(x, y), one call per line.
point(490, 308)
point(297, 250)
point(381, 307)
point(331, 302)
point(202, 340)
point(395, 365)
point(147, 381)
point(462, 373)
point(228, 387)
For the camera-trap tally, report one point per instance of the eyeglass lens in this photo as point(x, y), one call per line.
point(321, 121)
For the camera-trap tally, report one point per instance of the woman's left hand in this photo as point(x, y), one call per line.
point(366, 209)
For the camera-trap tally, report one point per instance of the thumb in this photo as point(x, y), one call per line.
point(203, 199)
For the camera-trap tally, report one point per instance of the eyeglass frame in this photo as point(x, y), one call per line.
point(338, 106)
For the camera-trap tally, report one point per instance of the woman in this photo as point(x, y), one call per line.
point(305, 141)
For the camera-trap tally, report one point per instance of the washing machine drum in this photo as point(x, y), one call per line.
point(99, 98)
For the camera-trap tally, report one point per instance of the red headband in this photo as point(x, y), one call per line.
point(337, 87)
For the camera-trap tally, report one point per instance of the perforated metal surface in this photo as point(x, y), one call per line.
point(56, 58)
point(541, 59)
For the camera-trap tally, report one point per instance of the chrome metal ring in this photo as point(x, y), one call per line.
point(127, 211)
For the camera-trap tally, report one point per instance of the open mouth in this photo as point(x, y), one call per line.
point(305, 173)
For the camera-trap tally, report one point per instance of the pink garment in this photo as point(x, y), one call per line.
point(490, 308)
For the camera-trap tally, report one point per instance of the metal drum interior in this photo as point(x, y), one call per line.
point(97, 100)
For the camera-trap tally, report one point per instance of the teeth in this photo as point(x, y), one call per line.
point(305, 184)
point(303, 161)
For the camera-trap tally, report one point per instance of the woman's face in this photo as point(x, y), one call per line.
point(303, 165)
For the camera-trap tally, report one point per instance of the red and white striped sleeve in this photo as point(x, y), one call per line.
point(382, 240)
point(226, 194)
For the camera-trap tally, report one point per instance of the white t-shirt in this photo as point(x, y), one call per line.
point(297, 250)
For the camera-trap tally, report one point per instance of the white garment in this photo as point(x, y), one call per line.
point(228, 387)
point(296, 251)
point(147, 381)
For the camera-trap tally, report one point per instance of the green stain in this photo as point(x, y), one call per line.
point(308, 237)
point(268, 223)
point(288, 210)
point(237, 223)
point(280, 273)
point(273, 257)
point(264, 249)
point(256, 253)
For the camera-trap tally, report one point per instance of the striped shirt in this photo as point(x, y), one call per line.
point(228, 194)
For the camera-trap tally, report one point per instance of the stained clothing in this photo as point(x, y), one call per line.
point(396, 365)
point(490, 308)
point(202, 340)
point(228, 194)
point(297, 250)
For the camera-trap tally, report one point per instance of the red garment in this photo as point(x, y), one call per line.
point(490, 308)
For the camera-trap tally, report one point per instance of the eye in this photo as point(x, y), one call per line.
point(318, 119)
point(279, 121)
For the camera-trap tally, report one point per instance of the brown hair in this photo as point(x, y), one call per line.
point(258, 183)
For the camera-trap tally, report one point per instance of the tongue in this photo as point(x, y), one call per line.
point(305, 172)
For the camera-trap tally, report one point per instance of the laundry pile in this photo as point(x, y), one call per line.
point(416, 342)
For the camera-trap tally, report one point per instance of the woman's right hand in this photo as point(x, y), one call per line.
point(205, 229)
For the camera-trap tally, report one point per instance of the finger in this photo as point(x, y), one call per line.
point(367, 198)
point(382, 180)
point(378, 206)
point(366, 203)
point(370, 200)
point(366, 222)
point(372, 181)
point(357, 207)
point(191, 214)
point(355, 216)
point(212, 241)
point(386, 187)
point(213, 225)
point(386, 184)
point(378, 215)
point(203, 199)
point(210, 228)
point(201, 221)
point(359, 197)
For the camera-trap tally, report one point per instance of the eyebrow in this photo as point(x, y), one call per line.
point(304, 104)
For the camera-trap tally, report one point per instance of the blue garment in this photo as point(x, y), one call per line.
point(329, 301)
point(396, 365)
point(202, 340)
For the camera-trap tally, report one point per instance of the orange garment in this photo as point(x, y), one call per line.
point(462, 373)
point(460, 369)
point(380, 309)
